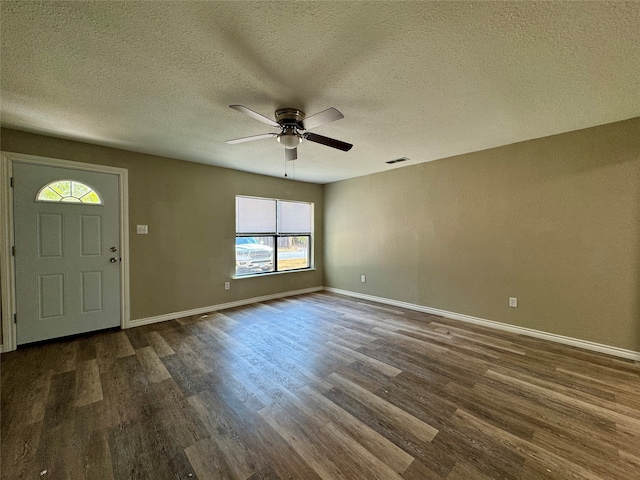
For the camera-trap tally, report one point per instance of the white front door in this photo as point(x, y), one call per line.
point(67, 254)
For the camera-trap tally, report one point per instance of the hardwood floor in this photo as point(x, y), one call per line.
point(317, 386)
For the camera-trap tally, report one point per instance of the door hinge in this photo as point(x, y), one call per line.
point(13, 250)
point(11, 182)
point(15, 318)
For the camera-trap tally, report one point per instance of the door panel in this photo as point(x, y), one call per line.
point(50, 235)
point(65, 281)
point(91, 292)
point(90, 235)
point(51, 296)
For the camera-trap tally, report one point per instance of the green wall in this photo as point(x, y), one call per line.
point(554, 222)
point(190, 209)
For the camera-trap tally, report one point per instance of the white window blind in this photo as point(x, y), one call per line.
point(255, 215)
point(294, 217)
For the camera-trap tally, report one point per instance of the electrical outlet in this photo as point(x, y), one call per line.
point(513, 302)
point(142, 229)
point(363, 278)
point(227, 285)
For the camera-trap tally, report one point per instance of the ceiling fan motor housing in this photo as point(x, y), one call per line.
point(290, 117)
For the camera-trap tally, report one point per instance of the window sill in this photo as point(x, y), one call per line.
point(270, 274)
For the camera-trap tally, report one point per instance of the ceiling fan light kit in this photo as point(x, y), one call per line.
point(293, 125)
point(290, 139)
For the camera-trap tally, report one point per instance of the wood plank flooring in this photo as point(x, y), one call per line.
point(317, 387)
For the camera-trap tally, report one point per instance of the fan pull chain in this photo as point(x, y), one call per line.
point(293, 169)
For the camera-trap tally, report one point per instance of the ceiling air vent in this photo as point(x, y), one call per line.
point(397, 160)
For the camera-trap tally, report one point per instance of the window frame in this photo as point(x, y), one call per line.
point(276, 235)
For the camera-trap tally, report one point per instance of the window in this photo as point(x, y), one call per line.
point(272, 235)
point(68, 191)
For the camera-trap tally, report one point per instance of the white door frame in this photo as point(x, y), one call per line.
point(7, 263)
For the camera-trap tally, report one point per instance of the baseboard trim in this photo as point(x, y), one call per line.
point(222, 306)
point(574, 342)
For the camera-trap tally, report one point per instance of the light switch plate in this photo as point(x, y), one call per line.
point(142, 229)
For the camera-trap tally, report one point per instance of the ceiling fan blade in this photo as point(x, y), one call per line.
point(256, 115)
point(252, 138)
point(290, 154)
point(325, 116)
point(329, 142)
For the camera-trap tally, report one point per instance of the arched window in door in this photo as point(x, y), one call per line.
point(69, 191)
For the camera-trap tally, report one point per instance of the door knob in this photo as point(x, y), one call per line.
point(113, 260)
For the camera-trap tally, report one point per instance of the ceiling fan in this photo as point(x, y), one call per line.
point(294, 126)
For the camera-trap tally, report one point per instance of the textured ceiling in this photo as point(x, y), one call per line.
point(424, 80)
